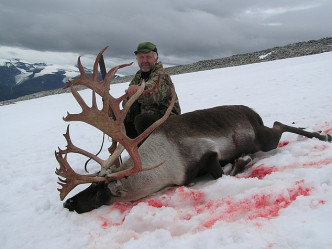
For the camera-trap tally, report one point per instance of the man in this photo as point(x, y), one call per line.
point(151, 106)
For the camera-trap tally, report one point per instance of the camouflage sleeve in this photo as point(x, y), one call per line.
point(162, 95)
point(136, 79)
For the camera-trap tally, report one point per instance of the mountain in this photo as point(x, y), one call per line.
point(19, 78)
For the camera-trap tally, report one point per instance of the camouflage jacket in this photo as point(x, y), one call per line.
point(158, 101)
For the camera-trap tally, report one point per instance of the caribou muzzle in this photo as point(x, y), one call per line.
point(96, 195)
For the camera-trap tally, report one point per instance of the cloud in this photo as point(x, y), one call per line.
point(184, 31)
point(270, 12)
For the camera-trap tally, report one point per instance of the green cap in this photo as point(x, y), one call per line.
point(146, 47)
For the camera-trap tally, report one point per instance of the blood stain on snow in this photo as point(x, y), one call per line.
point(318, 163)
point(321, 147)
point(316, 203)
point(175, 198)
point(189, 203)
point(122, 207)
point(154, 203)
point(328, 131)
point(185, 195)
point(262, 205)
point(283, 143)
point(105, 222)
point(261, 171)
point(196, 197)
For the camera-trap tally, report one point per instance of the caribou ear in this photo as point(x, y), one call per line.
point(117, 189)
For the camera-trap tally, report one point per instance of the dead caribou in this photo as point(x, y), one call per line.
point(175, 151)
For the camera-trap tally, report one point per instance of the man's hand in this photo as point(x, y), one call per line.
point(132, 90)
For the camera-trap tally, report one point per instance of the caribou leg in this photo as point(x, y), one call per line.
point(208, 164)
point(268, 138)
point(213, 166)
point(300, 131)
point(240, 164)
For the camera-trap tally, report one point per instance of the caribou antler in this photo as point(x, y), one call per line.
point(112, 125)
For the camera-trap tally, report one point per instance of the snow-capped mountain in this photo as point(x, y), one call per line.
point(19, 78)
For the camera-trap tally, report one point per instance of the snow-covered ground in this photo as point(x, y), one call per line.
point(284, 200)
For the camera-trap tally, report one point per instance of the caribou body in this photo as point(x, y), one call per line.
point(177, 151)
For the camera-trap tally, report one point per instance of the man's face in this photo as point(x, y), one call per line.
point(146, 61)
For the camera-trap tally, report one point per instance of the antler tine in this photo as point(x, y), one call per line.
point(152, 127)
point(116, 153)
point(82, 72)
point(124, 96)
point(83, 105)
point(112, 72)
point(80, 66)
point(72, 179)
point(107, 97)
point(74, 149)
point(100, 87)
point(133, 150)
point(131, 100)
point(90, 82)
point(79, 99)
point(95, 66)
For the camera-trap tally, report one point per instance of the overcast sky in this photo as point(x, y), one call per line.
point(185, 31)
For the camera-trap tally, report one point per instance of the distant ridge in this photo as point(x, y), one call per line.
point(276, 53)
